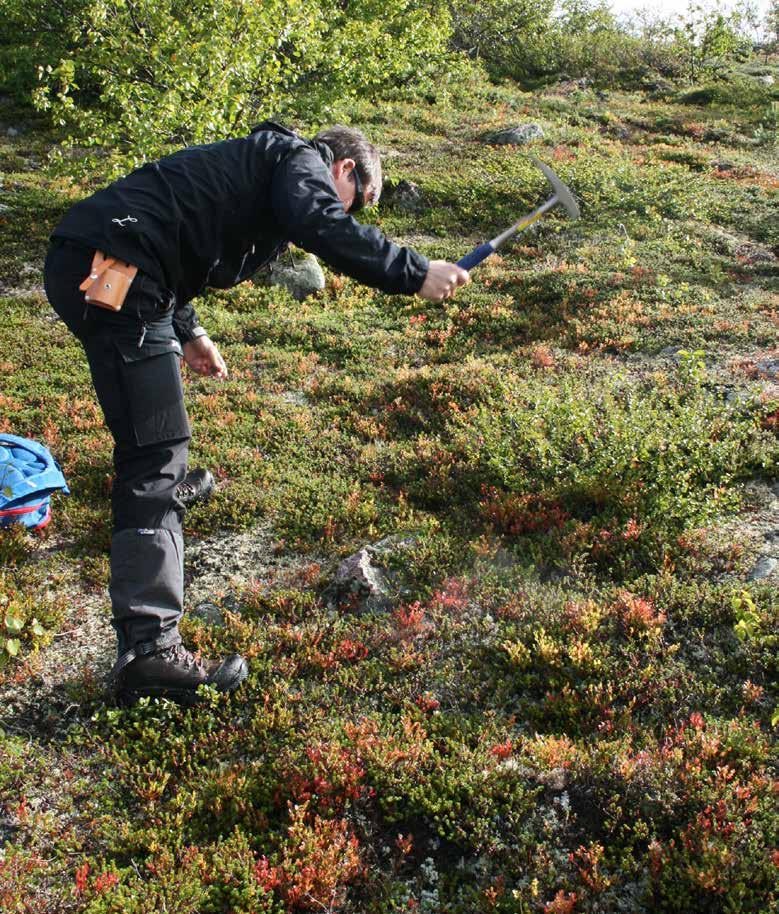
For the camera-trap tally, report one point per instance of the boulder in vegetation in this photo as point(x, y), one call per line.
point(301, 275)
point(516, 136)
point(405, 196)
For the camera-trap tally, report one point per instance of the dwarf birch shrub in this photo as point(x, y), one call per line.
point(145, 74)
point(624, 460)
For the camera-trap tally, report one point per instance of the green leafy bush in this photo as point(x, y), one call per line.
point(35, 34)
point(526, 42)
point(29, 604)
point(741, 92)
point(146, 74)
point(497, 30)
point(619, 467)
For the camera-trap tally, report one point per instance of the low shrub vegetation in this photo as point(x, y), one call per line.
point(572, 704)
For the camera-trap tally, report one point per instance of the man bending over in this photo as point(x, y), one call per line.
point(122, 270)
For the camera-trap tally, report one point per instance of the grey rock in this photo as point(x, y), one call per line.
point(554, 779)
point(405, 195)
point(301, 275)
point(671, 352)
point(209, 613)
point(658, 85)
point(766, 565)
point(12, 132)
point(734, 397)
point(724, 242)
point(769, 368)
point(294, 397)
point(567, 86)
point(391, 544)
point(516, 136)
point(505, 560)
point(752, 252)
point(767, 80)
point(361, 583)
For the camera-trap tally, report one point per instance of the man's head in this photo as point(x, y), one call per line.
point(356, 166)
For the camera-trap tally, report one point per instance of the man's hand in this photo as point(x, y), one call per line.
point(203, 357)
point(442, 279)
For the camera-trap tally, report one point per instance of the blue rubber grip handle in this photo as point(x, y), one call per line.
point(482, 252)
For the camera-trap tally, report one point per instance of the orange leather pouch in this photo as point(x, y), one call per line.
point(110, 289)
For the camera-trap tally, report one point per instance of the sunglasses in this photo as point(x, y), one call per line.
point(359, 199)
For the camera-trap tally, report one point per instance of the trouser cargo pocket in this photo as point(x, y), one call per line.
point(151, 377)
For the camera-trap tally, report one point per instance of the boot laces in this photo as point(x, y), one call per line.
point(180, 656)
point(185, 489)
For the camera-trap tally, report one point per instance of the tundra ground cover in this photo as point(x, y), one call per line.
point(572, 708)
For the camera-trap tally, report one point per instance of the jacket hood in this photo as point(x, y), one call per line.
point(323, 149)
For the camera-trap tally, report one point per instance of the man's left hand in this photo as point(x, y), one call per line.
point(204, 358)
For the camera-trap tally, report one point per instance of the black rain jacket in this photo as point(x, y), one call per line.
point(210, 216)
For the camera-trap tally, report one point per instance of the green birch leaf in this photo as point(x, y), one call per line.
point(14, 623)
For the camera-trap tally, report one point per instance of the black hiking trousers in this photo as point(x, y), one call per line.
point(133, 357)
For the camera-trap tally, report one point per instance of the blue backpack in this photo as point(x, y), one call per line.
point(28, 476)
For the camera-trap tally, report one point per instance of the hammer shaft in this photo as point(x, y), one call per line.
point(483, 251)
point(525, 222)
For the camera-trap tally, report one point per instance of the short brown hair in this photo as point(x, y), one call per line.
point(348, 143)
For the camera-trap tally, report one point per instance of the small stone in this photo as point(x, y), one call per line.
point(361, 584)
point(209, 613)
point(516, 136)
point(567, 86)
point(294, 397)
point(734, 397)
point(12, 132)
point(670, 352)
point(391, 544)
point(658, 85)
point(766, 565)
point(769, 368)
point(555, 779)
point(405, 195)
point(752, 252)
point(301, 276)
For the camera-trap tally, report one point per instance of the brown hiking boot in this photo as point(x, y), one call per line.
point(175, 673)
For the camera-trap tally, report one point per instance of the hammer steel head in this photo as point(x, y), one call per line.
point(564, 196)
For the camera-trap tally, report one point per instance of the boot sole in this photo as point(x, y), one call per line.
point(128, 697)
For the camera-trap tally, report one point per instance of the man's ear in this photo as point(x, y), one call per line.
point(342, 167)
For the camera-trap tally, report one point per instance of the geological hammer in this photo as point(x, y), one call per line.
point(562, 195)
